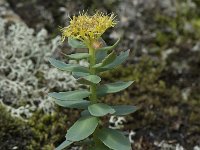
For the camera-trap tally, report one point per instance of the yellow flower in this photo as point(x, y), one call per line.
point(88, 28)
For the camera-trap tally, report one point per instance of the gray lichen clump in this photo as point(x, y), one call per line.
point(25, 75)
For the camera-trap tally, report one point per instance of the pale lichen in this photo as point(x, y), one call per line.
point(25, 74)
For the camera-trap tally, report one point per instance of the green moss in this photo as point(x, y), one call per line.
point(163, 38)
point(49, 129)
point(13, 132)
point(171, 111)
point(196, 25)
point(194, 116)
point(41, 131)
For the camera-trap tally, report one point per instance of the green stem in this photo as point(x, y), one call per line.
point(93, 88)
point(97, 142)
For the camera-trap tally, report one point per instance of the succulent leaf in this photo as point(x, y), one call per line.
point(68, 67)
point(107, 60)
point(76, 43)
point(78, 56)
point(100, 109)
point(91, 79)
point(82, 128)
point(109, 48)
point(64, 145)
point(70, 95)
point(80, 104)
point(114, 139)
point(122, 110)
point(112, 87)
point(118, 61)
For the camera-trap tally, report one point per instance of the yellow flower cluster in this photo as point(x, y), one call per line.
point(88, 28)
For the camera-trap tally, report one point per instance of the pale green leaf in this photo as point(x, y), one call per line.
point(71, 95)
point(118, 61)
point(75, 43)
point(77, 75)
point(64, 145)
point(85, 113)
point(78, 56)
point(100, 55)
point(112, 87)
point(107, 60)
point(89, 79)
point(114, 139)
point(100, 109)
point(67, 67)
point(109, 48)
point(80, 104)
point(82, 128)
point(122, 110)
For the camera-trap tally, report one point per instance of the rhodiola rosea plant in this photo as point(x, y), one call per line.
point(85, 31)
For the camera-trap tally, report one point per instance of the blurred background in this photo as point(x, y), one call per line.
point(164, 39)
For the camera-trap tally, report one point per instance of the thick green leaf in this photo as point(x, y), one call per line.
point(122, 110)
point(114, 139)
point(80, 104)
point(75, 43)
point(109, 48)
point(78, 56)
point(89, 79)
point(112, 87)
point(77, 75)
point(110, 58)
point(64, 145)
point(71, 95)
point(100, 109)
point(118, 60)
point(82, 128)
point(85, 113)
point(101, 54)
point(67, 67)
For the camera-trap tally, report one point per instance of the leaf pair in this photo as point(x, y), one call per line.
point(101, 90)
point(75, 99)
point(85, 126)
